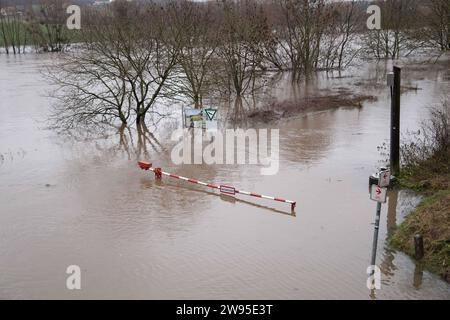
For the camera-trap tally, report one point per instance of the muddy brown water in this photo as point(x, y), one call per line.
point(65, 202)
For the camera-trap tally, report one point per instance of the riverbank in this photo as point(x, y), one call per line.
point(431, 178)
point(431, 220)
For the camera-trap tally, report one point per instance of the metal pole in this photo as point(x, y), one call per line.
point(395, 123)
point(375, 235)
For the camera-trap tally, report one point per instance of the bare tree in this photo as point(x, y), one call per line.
point(338, 47)
point(349, 22)
point(436, 31)
point(123, 68)
point(199, 36)
point(53, 20)
point(243, 29)
point(298, 34)
point(13, 32)
point(399, 17)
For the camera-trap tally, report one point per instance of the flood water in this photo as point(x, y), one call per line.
point(65, 202)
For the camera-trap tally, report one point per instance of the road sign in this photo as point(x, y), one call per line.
point(384, 178)
point(378, 194)
point(210, 114)
point(390, 79)
point(211, 125)
point(192, 118)
point(227, 190)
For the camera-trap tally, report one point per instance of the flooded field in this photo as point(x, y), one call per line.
point(84, 202)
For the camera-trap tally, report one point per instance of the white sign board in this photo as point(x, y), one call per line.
point(211, 125)
point(197, 123)
point(390, 79)
point(192, 118)
point(227, 190)
point(384, 178)
point(378, 194)
point(210, 116)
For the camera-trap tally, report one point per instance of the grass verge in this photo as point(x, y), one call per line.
point(427, 170)
point(431, 220)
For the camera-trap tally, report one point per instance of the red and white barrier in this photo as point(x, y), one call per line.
point(222, 188)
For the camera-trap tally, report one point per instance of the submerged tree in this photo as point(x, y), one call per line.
point(13, 32)
point(338, 45)
point(398, 26)
point(199, 39)
point(436, 29)
point(244, 29)
point(51, 25)
point(300, 28)
point(122, 69)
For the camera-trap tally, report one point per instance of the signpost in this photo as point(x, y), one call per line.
point(384, 178)
point(394, 83)
point(378, 193)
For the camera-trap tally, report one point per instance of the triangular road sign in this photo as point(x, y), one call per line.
point(210, 113)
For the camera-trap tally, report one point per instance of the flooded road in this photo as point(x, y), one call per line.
point(65, 202)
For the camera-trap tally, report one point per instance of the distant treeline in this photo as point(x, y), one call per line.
point(40, 24)
point(132, 55)
point(406, 25)
point(7, 3)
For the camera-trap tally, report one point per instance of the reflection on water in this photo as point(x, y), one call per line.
point(83, 201)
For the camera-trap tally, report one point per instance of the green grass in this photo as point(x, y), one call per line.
point(23, 34)
point(430, 176)
point(431, 218)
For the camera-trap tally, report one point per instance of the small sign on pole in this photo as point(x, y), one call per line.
point(390, 79)
point(378, 193)
point(227, 190)
point(384, 178)
point(210, 116)
point(192, 118)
